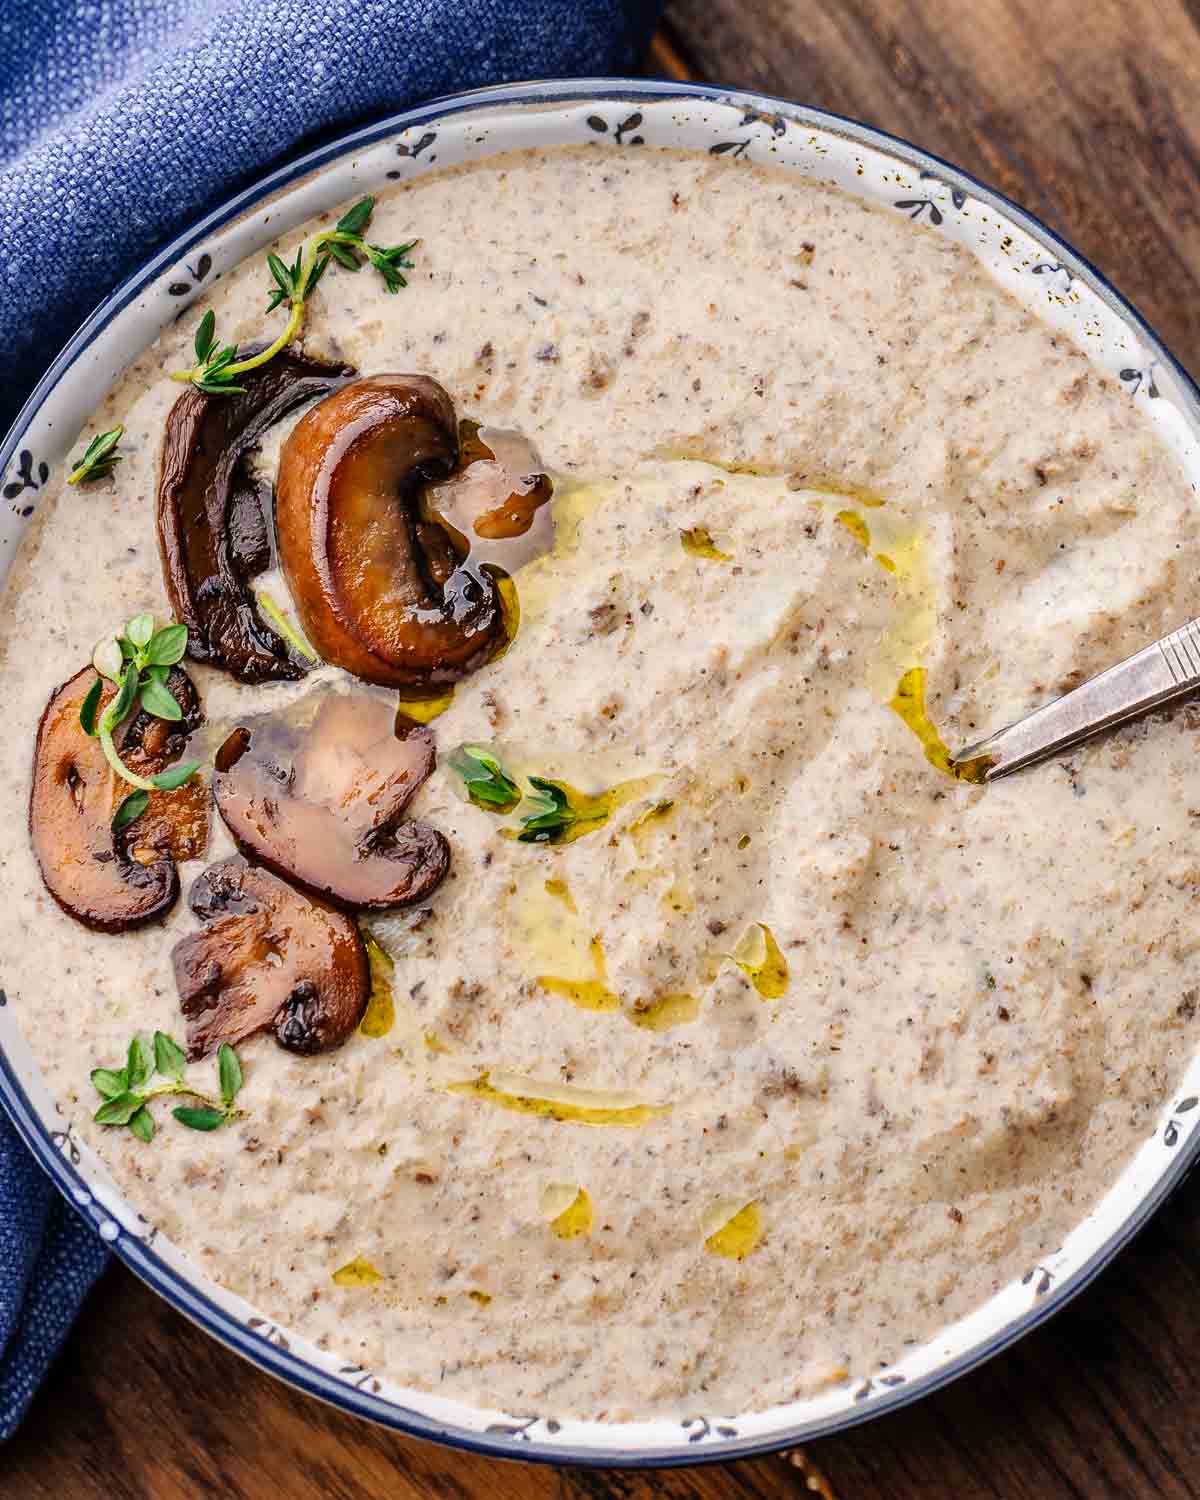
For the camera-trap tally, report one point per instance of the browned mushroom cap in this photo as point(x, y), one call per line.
point(106, 881)
point(322, 804)
point(213, 533)
point(268, 957)
point(381, 591)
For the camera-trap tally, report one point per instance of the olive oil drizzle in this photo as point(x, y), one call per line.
point(697, 542)
point(657, 812)
point(560, 891)
point(545, 933)
point(380, 1014)
point(566, 1111)
point(661, 1014)
point(576, 1219)
point(587, 994)
point(908, 636)
point(357, 1272)
point(665, 1013)
point(761, 959)
point(425, 710)
point(856, 526)
point(739, 1236)
point(908, 703)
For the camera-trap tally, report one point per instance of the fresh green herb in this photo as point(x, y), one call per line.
point(87, 709)
point(166, 646)
point(552, 815)
point(99, 458)
point(157, 698)
point(229, 1071)
point(487, 784)
point(139, 1063)
point(130, 809)
point(126, 1098)
point(213, 371)
point(217, 366)
point(139, 661)
point(356, 219)
point(391, 263)
point(553, 812)
point(169, 1057)
point(139, 631)
point(109, 1084)
point(291, 634)
point(207, 1117)
point(109, 658)
point(119, 1111)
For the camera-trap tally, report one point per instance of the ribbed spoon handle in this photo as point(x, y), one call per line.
point(1155, 675)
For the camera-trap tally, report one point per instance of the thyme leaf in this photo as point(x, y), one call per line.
point(99, 457)
point(552, 814)
point(486, 782)
point(89, 706)
point(130, 809)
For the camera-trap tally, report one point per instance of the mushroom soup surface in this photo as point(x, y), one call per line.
point(572, 928)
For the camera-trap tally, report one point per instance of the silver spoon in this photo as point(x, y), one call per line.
point(1151, 677)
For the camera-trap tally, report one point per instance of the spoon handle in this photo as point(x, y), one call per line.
point(1153, 676)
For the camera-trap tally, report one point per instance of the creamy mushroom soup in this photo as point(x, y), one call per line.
point(643, 1018)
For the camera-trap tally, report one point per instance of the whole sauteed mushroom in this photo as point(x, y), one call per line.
point(113, 881)
point(322, 803)
point(213, 530)
point(381, 590)
point(268, 958)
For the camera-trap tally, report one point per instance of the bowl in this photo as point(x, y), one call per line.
point(620, 115)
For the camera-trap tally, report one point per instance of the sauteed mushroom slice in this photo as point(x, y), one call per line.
point(268, 958)
point(322, 803)
point(213, 531)
point(109, 881)
point(381, 591)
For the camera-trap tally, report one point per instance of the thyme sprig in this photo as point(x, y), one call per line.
point(99, 457)
point(217, 365)
point(125, 1097)
point(139, 661)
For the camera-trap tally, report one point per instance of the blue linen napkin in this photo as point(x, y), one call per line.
point(119, 123)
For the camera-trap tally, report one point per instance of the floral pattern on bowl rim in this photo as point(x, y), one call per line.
point(614, 114)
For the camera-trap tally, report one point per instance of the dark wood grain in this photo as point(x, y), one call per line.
point(1084, 111)
point(143, 1406)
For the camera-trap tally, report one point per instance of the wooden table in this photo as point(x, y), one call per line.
point(1088, 113)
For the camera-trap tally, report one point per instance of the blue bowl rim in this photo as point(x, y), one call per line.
point(172, 1285)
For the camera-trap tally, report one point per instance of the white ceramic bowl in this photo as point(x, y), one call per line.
point(616, 115)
